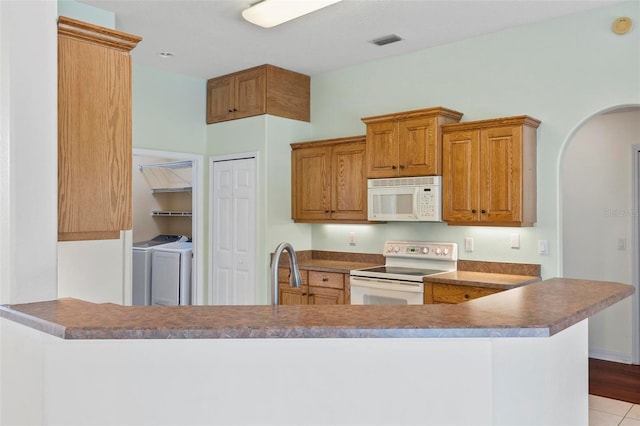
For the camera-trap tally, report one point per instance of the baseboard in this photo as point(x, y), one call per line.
point(610, 356)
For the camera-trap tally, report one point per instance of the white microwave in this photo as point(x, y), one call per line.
point(411, 199)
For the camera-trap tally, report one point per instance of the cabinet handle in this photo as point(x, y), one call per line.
point(473, 211)
point(230, 110)
point(333, 211)
point(466, 296)
point(325, 279)
point(401, 167)
point(483, 211)
point(393, 167)
point(326, 211)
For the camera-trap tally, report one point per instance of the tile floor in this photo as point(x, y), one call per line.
point(611, 412)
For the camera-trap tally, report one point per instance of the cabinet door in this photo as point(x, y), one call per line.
point(293, 296)
point(501, 174)
point(220, 99)
point(312, 183)
point(419, 148)
point(382, 149)
point(460, 197)
point(250, 93)
point(325, 296)
point(349, 183)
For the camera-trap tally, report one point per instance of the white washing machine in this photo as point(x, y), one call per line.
point(171, 277)
point(141, 266)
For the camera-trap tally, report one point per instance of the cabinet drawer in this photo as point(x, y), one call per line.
point(283, 276)
point(450, 293)
point(326, 279)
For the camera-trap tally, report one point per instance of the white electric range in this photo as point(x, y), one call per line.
point(401, 279)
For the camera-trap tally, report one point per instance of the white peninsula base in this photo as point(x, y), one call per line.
point(381, 381)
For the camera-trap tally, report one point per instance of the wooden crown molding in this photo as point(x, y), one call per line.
point(96, 34)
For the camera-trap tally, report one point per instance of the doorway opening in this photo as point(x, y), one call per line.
point(165, 207)
point(599, 222)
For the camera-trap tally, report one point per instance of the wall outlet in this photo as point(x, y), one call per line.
point(515, 241)
point(468, 244)
point(622, 244)
point(352, 238)
point(543, 247)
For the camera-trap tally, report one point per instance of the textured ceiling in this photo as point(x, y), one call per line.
point(210, 38)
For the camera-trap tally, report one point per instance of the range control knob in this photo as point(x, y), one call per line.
point(445, 251)
point(438, 251)
point(396, 249)
point(425, 250)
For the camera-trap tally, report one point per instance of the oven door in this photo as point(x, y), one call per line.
point(376, 291)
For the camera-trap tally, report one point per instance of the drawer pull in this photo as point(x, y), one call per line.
point(325, 279)
point(466, 296)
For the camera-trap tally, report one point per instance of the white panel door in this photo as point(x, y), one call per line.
point(234, 232)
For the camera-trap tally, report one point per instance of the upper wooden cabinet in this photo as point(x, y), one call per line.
point(328, 181)
point(265, 89)
point(407, 143)
point(94, 131)
point(489, 172)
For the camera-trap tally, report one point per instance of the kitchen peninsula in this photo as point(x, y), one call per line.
point(515, 357)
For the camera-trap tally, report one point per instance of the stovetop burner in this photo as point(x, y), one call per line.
point(398, 270)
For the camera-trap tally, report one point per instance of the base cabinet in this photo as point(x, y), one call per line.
point(452, 293)
point(318, 288)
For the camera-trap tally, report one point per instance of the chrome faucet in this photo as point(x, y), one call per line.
point(294, 273)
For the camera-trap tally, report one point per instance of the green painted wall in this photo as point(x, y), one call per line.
point(561, 71)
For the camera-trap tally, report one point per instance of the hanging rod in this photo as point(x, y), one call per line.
point(168, 165)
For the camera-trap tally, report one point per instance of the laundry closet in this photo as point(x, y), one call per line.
point(162, 258)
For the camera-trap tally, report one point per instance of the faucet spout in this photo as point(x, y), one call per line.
point(294, 273)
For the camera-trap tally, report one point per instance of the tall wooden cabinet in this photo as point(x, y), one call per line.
point(328, 181)
point(407, 143)
point(265, 89)
point(489, 172)
point(94, 131)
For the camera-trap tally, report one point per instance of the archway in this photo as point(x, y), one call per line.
point(600, 222)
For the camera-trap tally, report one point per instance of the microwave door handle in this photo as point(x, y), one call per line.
point(416, 203)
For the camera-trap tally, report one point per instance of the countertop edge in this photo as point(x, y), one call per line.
point(538, 310)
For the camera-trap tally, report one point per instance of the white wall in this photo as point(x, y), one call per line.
point(548, 70)
point(597, 211)
point(28, 151)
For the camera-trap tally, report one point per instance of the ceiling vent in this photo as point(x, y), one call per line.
point(391, 38)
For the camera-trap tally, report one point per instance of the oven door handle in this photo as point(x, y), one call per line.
point(387, 284)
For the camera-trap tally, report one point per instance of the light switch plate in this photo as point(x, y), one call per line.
point(515, 241)
point(543, 247)
point(468, 244)
point(352, 238)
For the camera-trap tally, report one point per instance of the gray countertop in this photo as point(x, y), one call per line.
point(536, 310)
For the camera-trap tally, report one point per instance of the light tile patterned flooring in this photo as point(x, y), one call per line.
point(611, 412)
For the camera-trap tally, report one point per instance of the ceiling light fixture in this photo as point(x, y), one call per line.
point(165, 55)
point(269, 13)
